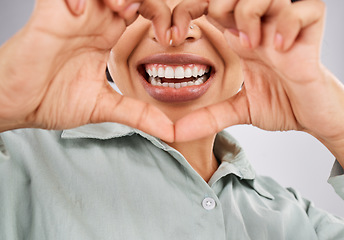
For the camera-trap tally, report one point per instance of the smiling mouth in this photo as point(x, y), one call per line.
point(176, 76)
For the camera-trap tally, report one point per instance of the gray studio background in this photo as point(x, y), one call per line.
point(293, 159)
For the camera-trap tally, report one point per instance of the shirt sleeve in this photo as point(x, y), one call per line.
point(337, 179)
point(326, 225)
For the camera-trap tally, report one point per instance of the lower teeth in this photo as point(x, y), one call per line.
point(156, 81)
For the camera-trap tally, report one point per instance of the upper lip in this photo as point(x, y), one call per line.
point(175, 59)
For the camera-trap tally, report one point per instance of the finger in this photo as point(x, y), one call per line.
point(155, 10)
point(160, 15)
point(77, 7)
point(119, 5)
point(212, 119)
point(223, 12)
point(296, 20)
point(130, 13)
point(182, 14)
point(112, 107)
point(248, 14)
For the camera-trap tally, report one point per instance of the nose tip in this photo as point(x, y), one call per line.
point(194, 33)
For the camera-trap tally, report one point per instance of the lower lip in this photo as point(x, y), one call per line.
point(173, 95)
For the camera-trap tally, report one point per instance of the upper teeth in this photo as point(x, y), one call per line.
point(157, 82)
point(178, 72)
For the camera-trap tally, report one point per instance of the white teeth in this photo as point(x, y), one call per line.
point(169, 73)
point(154, 82)
point(157, 82)
point(154, 72)
point(161, 72)
point(195, 72)
point(198, 82)
point(179, 73)
point(150, 73)
point(188, 73)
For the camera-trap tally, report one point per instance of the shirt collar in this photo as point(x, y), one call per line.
point(105, 131)
point(100, 131)
point(232, 157)
point(226, 149)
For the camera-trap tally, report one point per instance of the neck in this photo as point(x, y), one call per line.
point(199, 154)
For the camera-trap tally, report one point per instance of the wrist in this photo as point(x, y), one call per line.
point(336, 148)
point(327, 126)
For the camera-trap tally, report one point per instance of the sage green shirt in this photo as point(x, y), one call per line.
point(109, 181)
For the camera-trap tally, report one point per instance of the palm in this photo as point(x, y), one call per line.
point(58, 61)
point(266, 99)
point(281, 88)
point(61, 82)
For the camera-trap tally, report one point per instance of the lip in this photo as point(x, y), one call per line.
point(172, 95)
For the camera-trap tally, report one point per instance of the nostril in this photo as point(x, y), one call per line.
point(151, 34)
point(194, 33)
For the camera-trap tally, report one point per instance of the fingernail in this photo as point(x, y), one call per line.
point(244, 40)
point(169, 37)
point(174, 33)
point(278, 41)
point(77, 7)
point(131, 10)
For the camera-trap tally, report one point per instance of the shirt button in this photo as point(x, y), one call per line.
point(208, 203)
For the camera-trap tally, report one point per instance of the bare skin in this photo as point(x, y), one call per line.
point(205, 41)
point(52, 71)
point(286, 86)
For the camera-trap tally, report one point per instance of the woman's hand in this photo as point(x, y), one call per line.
point(285, 85)
point(52, 73)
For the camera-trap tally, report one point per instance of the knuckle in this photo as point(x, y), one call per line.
point(288, 17)
point(215, 13)
point(219, 11)
point(153, 10)
point(246, 12)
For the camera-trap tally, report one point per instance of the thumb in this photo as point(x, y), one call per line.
point(214, 118)
point(113, 107)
